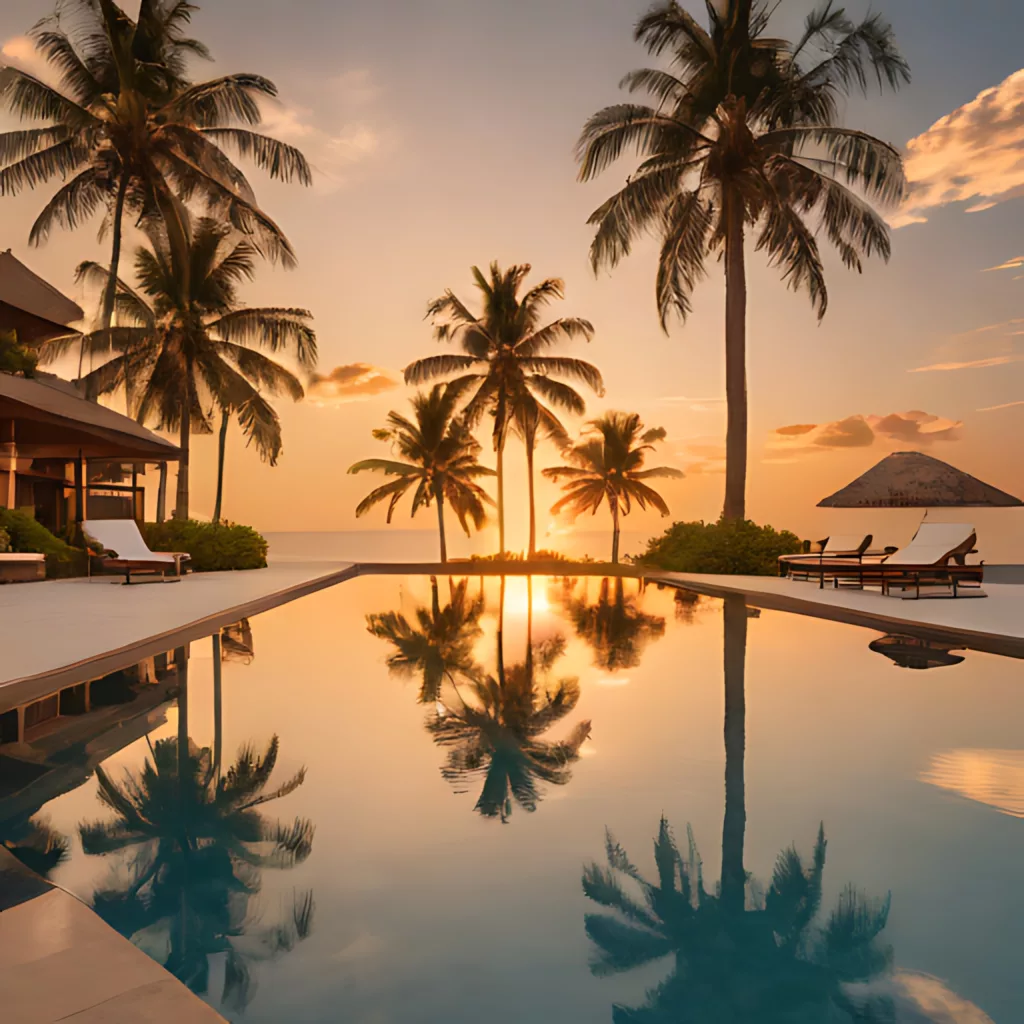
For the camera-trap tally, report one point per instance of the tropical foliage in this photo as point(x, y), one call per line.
point(35, 843)
point(198, 841)
point(505, 366)
point(126, 131)
point(735, 546)
point(185, 342)
point(606, 467)
point(16, 358)
point(439, 646)
point(439, 456)
point(212, 547)
point(741, 137)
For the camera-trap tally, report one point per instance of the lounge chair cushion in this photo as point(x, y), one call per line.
point(935, 544)
point(121, 539)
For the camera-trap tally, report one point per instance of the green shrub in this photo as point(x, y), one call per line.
point(15, 358)
point(731, 547)
point(213, 546)
point(5, 541)
point(541, 555)
point(25, 534)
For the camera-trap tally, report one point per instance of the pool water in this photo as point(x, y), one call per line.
point(549, 800)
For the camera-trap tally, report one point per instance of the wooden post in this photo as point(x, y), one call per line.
point(161, 494)
point(11, 452)
point(135, 492)
point(79, 489)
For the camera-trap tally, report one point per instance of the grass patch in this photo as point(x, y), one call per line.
point(729, 547)
point(213, 547)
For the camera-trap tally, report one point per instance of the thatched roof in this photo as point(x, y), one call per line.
point(916, 480)
point(53, 420)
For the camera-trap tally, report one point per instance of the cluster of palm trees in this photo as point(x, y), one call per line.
point(741, 137)
point(504, 371)
point(128, 133)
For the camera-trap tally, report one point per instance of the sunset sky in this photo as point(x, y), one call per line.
point(442, 133)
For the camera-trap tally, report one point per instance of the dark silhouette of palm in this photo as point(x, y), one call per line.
point(615, 626)
point(199, 841)
point(439, 645)
point(499, 732)
point(34, 843)
point(770, 961)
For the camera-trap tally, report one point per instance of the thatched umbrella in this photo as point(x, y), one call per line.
point(916, 480)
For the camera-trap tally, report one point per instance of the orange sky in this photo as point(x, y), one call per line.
point(436, 150)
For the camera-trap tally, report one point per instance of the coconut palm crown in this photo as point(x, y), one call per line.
point(186, 343)
point(504, 363)
point(439, 456)
point(741, 136)
point(606, 466)
point(126, 131)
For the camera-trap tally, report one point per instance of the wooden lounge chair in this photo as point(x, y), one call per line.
point(125, 551)
point(845, 546)
point(936, 556)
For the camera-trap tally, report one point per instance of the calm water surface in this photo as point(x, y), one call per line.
point(415, 784)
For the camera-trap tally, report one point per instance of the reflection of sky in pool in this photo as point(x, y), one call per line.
point(429, 908)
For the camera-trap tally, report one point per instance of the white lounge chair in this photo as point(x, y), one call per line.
point(125, 550)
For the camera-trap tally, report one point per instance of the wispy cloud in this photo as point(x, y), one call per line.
point(972, 155)
point(1014, 263)
point(335, 143)
point(702, 455)
point(971, 364)
point(860, 431)
point(353, 382)
point(21, 52)
point(1005, 405)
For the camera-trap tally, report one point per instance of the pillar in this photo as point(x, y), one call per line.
point(11, 460)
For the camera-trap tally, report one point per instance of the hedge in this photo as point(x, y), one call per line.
point(25, 534)
point(213, 546)
point(731, 547)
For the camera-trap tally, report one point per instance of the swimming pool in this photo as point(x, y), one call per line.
point(415, 828)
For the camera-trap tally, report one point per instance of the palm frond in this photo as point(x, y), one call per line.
point(281, 161)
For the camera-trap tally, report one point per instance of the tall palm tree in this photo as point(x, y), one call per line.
point(607, 467)
point(127, 131)
point(198, 841)
point(440, 644)
point(742, 136)
point(616, 627)
point(439, 457)
point(498, 732)
point(187, 343)
point(503, 361)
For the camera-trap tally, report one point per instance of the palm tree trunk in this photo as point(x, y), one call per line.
point(531, 443)
point(501, 497)
point(501, 634)
point(161, 494)
point(615, 530)
point(440, 523)
point(181, 497)
point(218, 707)
point(222, 442)
point(735, 823)
point(110, 289)
point(735, 360)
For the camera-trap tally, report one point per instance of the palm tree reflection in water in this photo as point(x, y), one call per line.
point(439, 646)
point(195, 843)
point(615, 626)
point(741, 955)
point(491, 724)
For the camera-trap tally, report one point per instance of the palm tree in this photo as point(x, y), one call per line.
point(127, 131)
point(504, 364)
point(498, 732)
point(616, 628)
point(32, 840)
point(440, 459)
point(199, 841)
point(187, 342)
point(440, 645)
point(743, 133)
point(608, 467)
